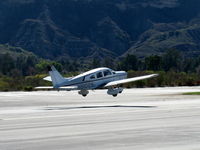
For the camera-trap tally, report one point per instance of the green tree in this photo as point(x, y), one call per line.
point(108, 62)
point(153, 63)
point(7, 64)
point(130, 62)
point(41, 67)
point(95, 63)
point(172, 60)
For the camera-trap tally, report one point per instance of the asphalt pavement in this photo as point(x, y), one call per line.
point(140, 119)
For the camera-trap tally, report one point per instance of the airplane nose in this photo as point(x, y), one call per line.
point(124, 73)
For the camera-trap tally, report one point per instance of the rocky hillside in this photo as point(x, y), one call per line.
point(100, 28)
point(184, 37)
point(15, 52)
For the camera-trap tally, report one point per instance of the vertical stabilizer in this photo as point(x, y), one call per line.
point(56, 77)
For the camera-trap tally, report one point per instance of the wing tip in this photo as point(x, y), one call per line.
point(155, 75)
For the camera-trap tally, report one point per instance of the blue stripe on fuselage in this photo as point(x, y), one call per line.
point(93, 85)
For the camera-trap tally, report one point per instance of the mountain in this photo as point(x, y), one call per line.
point(162, 36)
point(88, 29)
point(15, 52)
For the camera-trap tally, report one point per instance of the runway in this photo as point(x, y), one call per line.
point(140, 119)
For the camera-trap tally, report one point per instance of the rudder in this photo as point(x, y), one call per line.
point(56, 77)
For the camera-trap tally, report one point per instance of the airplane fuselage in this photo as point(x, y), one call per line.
point(95, 78)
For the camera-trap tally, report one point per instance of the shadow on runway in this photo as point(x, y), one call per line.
point(92, 107)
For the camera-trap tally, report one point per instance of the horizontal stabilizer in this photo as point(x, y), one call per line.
point(48, 78)
point(123, 81)
point(64, 88)
point(68, 88)
point(44, 88)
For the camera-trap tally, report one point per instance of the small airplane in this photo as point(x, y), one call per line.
point(99, 78)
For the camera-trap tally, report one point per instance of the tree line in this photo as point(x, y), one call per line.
point(174, 69)
point(172, 60)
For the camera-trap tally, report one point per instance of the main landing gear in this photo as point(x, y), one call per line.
point(114, 91)
point(114, 95)
point(84, 93)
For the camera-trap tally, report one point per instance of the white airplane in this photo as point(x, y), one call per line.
point(99, 78)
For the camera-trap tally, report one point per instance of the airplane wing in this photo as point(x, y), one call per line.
point(64, 88)
point(123, 81)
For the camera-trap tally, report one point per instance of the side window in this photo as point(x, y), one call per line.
point(92, 77)
point(99, 74)
point(107, 73)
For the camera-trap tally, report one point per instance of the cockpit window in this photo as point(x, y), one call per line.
point(92, 77)
point(107, 73)
point(113, 72)
point(99, 74)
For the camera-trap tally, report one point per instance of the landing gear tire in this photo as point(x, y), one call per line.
point(114, 95)
point(114, 91)
point(84, 93)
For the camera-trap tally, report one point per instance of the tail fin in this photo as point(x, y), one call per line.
point(56, 77)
